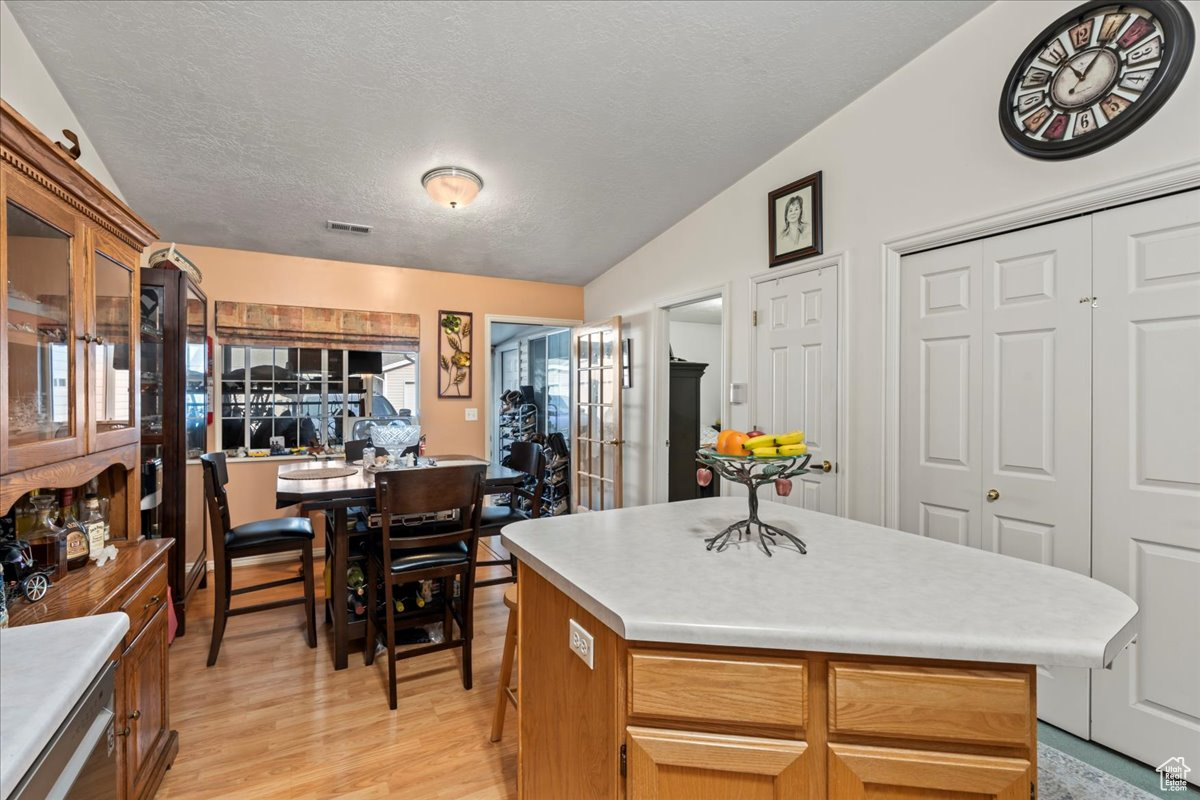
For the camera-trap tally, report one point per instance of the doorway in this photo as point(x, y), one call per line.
point(691, 364)
point(529, 394)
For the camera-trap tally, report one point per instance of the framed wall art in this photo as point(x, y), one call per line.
point(794, 220)
point(454, 354)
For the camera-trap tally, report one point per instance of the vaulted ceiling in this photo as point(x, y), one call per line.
point(595, 125)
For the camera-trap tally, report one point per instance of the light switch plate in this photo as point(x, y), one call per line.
point(472, 414)
point(582, 644)
point(737, 394)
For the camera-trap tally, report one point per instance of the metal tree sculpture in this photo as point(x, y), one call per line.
point(752, 473)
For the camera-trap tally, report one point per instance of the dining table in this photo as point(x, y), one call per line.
point(337, 495)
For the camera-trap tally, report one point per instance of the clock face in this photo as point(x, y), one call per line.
point(1094, 76)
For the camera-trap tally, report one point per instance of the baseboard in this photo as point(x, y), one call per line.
point(266, 558)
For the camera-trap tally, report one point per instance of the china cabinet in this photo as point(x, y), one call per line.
point(69, 412)
point(69, 253)
point(176, 371)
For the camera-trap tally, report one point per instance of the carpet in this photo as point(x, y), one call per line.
point(1064, 777)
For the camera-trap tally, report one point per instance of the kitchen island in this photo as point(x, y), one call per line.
point(879, 664)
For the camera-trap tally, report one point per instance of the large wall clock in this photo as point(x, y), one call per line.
point(1094, 76)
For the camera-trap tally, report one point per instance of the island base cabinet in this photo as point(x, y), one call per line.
point(143, 716)
point(859, 772)
point(681, 765)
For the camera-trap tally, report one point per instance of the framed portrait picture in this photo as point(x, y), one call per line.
point(794, 220)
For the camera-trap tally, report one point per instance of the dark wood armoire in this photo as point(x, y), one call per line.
point(684, 433)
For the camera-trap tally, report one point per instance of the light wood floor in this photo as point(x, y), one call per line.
point(272, 719)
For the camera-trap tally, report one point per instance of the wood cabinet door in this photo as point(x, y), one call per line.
point(144, 709)
point(679, 765)
point(42, 277)
point(113, 357)
point(859, 772)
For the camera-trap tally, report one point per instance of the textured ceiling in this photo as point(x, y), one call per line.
point(595, 126)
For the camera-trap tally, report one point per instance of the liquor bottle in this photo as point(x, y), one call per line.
point(78, 547)
point(94, 524)
point(46, 540)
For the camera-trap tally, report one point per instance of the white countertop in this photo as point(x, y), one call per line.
point(645, 573)
point(44, 670)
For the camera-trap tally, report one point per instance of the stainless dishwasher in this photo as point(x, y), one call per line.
point(80, 761)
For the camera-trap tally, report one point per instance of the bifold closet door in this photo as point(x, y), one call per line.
point(1037, 431)
point(1146, 472)
point(995, 408)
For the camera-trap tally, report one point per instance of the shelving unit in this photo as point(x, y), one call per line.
point(517, 425)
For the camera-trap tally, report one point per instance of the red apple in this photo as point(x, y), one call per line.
point(783, 487)
point(703, 476)
point(756, 432)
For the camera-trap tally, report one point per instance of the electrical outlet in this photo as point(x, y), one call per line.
point(472, 414)
point(582, 644)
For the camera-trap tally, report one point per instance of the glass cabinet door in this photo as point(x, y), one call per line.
point(152, 332)
point(113, 381)
point(197, 376)
point(42, 329)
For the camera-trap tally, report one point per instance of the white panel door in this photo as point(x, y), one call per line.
point(1036, 418)
point(1146, 473)
point(796, 374)
point(941, 372)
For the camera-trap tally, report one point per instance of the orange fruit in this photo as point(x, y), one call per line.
point(734, 444)
point(722, 437)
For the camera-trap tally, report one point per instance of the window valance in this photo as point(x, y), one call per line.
point(301, 326)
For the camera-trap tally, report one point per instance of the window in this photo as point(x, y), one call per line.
point(303, 395)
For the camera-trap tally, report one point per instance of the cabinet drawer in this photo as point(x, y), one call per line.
point(976, 706)
point(146, 599)
point(729, 692)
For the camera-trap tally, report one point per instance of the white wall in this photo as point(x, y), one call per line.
point(27, 86)
point(699, 341)
point(920, 151)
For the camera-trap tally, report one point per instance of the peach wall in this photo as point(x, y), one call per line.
point(246, 276)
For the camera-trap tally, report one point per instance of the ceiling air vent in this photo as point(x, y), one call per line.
point(348, 227)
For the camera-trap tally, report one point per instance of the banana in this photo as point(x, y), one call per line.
point(765, 451)
point(756, 442)
point(793, 449)
point(795, 437)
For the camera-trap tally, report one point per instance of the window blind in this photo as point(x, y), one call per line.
point(304, 326)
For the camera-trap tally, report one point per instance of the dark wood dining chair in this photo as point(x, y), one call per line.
point(529, 458)
point(436, 551)
point(252, 539)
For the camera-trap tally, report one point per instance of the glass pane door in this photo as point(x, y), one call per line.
point(597, 426)
point(152, 312)
point(112, 384)
point(40, 331)
point(198, 374)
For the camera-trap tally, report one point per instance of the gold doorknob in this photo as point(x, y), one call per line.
point(137, 714)
point(993, 495)
point(826, 467)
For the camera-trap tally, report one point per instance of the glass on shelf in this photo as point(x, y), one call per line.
point(40, 390)
point(47, 540)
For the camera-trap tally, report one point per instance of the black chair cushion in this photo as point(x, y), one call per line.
point(412, 560)
point(286, 530)
point(498, 516)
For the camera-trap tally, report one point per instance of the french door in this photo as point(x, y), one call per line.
point(596, 416)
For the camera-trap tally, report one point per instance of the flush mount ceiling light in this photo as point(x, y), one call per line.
point(452, 187)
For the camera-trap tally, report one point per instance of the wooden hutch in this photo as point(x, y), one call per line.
point(70, 254)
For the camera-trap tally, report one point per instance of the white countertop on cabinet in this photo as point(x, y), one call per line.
point(645, 573)
point(44, 670)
